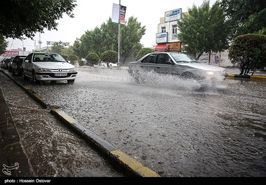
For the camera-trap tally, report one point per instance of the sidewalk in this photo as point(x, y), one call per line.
point(13, 159)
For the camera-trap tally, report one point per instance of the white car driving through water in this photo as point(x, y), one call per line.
point(174, 63)
point(48, 67)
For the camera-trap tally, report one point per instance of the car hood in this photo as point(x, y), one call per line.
point(135, 62)
point(205, 67)
point(54, 65)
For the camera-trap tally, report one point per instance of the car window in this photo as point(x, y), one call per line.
point(164, 59)
point(181, 57)
point(29, 57)
point(20, 59)
point(149, 59)
point(44, 57)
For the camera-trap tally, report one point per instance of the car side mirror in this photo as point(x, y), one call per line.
point(26, 60)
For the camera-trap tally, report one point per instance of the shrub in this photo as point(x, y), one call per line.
point(143, 52)
point(92, 58)
point(109, 56)
point(249, 51)
point(81, 63)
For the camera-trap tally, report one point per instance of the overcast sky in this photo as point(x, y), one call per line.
point(89, 14)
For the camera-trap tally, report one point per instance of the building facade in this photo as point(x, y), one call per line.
point(167, 31)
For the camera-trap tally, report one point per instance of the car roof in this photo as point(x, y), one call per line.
point(166, 52)
point(43, 53)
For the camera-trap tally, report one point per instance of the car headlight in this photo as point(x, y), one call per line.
point(43, 70)
point(72, 70)
point(210, 73)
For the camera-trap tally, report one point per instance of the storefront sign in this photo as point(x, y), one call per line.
point(173, 15)
point(175, 46)
point(10, 53)
point(162, 37)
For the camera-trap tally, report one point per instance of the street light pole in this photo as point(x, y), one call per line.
point(119, 37)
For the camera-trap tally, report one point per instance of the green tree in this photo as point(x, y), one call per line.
point(249, 51)
point(105, 38)
point(204, 29)
point(109, 56)
point(245, 16)
point(69, 54)
point(3, 44)
point(131, 36)
point(143, 52)
point(93, 58)
point(26, 17)
point(76, 48)
point(57, 48)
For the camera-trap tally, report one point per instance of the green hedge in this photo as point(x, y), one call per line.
point(249, 51)
point(93, 58)
point(109, 56)
point(143, 52)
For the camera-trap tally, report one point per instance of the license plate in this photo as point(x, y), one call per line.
point(60, 74)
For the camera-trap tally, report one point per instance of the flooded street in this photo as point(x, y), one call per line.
point(168, 124)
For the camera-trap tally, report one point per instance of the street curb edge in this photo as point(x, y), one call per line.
point(122, 158)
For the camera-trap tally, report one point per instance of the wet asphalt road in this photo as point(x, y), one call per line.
point(168, 124)
point(52, 149)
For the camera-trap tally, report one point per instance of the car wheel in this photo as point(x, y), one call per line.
point(137, 77)
point(188, 75)
point(23, 75)
point(70, 81)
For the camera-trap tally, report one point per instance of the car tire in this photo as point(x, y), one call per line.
point(70, 81)
point(13, 72)
point(137, 77)
point(188, 75)
point(24, 76)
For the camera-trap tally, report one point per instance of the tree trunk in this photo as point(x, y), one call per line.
point(197, 57)
point(210, 57)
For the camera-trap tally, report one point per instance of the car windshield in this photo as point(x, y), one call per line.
point(44, 57)
point(181, 57)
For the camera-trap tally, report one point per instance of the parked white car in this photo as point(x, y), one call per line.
point(48, 67)
point(104, 64)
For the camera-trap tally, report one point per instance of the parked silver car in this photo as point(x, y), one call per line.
point(175, 64)
point(48, 67)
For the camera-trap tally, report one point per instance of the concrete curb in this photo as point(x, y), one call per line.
point(254, 77)
point(121, 158)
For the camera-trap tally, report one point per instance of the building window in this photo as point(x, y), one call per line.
point(174, 29)
point(163, 30)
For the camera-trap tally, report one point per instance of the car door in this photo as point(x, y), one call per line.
point(164, 64)
point(27, 69)
point(148, 63)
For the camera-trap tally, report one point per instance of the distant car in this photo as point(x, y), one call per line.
point(16, 66)
point(48, 67)
point(104, 65)
point(112, 65)
point(2, 62)
point(9, 68)
point(5, 63)
point(175, 64)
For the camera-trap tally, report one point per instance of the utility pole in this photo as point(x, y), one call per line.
point(40, 42)
point(119, 36)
